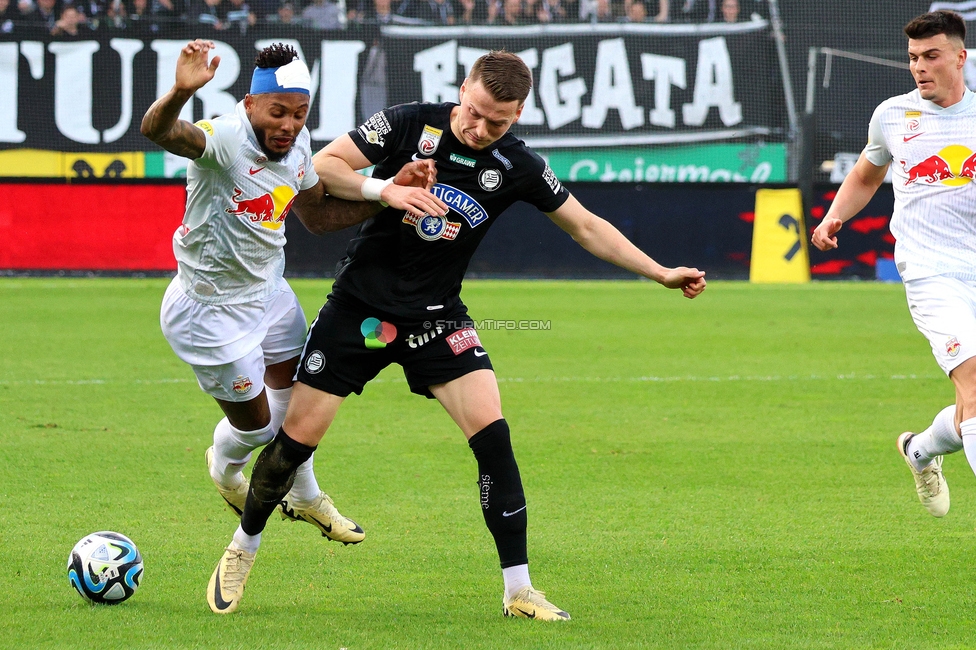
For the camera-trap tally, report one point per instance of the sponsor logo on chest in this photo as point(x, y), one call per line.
point(462, 203)
point(432, 228)
point(267, 210)
point(952, 166)
point(461, 160)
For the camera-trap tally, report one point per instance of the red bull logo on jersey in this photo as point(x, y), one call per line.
point(953, 166)
point(461, 203)
point(267, 210)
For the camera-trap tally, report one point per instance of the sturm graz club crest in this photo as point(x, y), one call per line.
point(431, 227)
point(314, 362)
point(490, 179)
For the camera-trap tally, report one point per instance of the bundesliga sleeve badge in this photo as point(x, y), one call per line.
point(429, 140)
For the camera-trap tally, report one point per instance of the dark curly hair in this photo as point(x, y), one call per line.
point(275, 56)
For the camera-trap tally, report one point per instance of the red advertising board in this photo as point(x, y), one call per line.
point(89, 227)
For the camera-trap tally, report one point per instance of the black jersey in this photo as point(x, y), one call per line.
point(410, 266)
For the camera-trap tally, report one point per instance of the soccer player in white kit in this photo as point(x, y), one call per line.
point(229, 312)
point(928, 138)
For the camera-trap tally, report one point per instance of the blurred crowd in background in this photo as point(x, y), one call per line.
point(75, 18)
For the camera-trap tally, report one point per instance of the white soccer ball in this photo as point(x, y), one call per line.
point(105, 567)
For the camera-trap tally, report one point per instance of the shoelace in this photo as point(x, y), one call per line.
point(930, 478)
point(233, 571)
point(538, 598)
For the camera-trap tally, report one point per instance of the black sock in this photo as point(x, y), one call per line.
point(502, 498)
point(271, 478)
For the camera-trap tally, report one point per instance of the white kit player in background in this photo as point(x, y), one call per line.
point(928, 137)
point(229, 312)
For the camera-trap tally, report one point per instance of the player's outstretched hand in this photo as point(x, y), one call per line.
point(824, 236)
point(690, 281)
point(418, 201)
point(417, 173)
point(192, 70)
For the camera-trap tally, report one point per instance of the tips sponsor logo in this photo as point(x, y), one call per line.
point(242, 385)
point(952, 347)
point(267, 210)
point(378, 333)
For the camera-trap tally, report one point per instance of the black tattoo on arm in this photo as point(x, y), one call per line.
point(321, 213)
point(162, 125)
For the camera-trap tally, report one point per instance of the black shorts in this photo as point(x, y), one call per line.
point(349, 344)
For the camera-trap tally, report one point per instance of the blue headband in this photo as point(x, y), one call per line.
point(290, 78)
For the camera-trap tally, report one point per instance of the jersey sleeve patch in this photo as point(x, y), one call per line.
point(375, 129)
point(206, 126)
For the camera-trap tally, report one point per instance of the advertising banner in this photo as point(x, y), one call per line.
point(702, 97)
point(610, 85)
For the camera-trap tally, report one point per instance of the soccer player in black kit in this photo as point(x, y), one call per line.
point(396, 299)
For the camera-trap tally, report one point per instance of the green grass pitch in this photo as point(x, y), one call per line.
point(716, 473)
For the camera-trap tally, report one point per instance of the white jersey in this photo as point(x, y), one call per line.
point(230, 247)
point(932, 151)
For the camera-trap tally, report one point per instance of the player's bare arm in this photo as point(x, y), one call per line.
point(321, 213)
point(854, 193)
point(161, 124)
point(337, 163)
point(600, 238)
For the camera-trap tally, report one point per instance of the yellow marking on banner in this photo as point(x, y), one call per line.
point(38, 163)
point(779, 239)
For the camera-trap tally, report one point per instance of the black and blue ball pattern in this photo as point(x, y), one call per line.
point(105, 568)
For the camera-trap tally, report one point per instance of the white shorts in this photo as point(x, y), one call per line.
point(229, 346)
point(944, 310)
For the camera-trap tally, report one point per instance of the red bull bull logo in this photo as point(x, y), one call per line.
point(968, 168)
point(952, 346)
point(267, 210)
point(242, 384)
point(954, 165)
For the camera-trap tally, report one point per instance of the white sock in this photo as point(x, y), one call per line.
point(940, 438)
point(305, 489)
point(244, 542)
point(232, 450)
point(516, 577)
point(969, 440)
point(278, 402)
